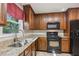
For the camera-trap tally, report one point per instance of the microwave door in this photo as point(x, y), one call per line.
point(53, 25)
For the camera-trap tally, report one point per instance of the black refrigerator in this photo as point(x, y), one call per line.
point(74, 37)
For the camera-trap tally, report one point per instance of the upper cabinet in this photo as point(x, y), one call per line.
point(63, 21)
point(37, 22)
point(73, 13)
point(59, 17)
point(27, 12)
point(2, 14)
point(43, 19)
point(29, 16)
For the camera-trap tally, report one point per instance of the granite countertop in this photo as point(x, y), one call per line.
point(15, 51)
point(31, 36)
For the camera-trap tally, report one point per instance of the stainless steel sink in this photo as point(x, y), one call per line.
point(16, 45)
point(19, 44)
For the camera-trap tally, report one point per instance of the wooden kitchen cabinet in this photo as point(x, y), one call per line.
point(40, 21)
point(61, 17)
point(43, 19)
point(27, 11)
point(29, 16)
point(73, 14)
point(65, 45)
point(31, 20)
point(28, 51)
point(33, 47)
point(37, 22)
point(22, 54)
point(42, 44)
point(3, 13)
point(63, 21)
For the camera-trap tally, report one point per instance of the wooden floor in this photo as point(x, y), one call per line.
point(51, 54)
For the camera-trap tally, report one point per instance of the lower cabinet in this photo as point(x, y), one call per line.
point(42, 44)
point(29, 51)
point(65, 46)
point(33, 48)
point(22, 54)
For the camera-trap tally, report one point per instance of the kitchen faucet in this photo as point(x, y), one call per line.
point(15, 38)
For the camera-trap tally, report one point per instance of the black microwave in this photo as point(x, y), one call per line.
point(55, 25)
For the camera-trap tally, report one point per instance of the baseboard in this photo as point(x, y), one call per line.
point(47, 51)
point(65, 52)
point(42, 50)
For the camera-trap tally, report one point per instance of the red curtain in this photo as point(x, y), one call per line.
point(15, 11)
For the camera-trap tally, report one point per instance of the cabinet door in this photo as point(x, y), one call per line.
point(62, 21)
point(22, 54)
point(29, 54)
point(29, 16)
point(43, 22)
point(72, 14)
point(28, 51)
point(31, 19)
point(33, 49)
point(42, 44)
point(2, 14)
point(65, 46)
point(40, 22)
point(37, 22)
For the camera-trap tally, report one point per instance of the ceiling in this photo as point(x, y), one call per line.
point(51, 7)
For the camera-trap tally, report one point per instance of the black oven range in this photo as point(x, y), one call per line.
point(53, 39)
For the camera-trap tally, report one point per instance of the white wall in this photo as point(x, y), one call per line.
point(1, 30)
point(20, 24)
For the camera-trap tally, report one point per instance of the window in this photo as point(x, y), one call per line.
point(12, 25)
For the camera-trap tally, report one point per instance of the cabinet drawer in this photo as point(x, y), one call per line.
point(42, 44)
